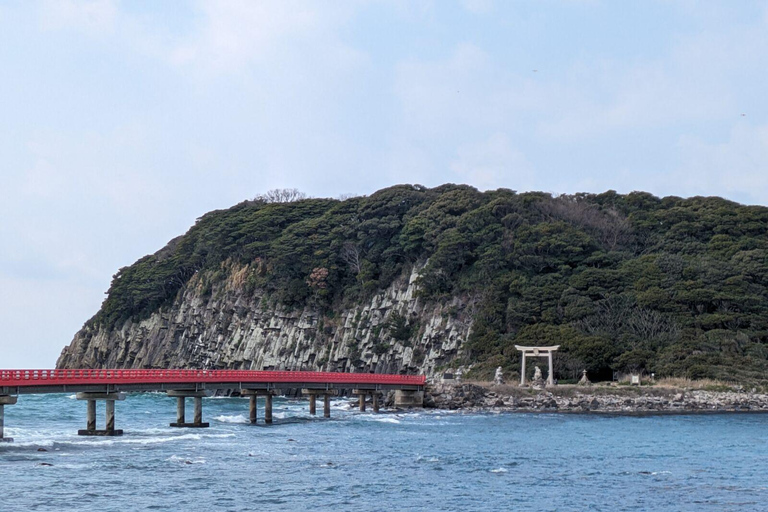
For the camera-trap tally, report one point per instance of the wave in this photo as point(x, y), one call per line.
point(232, 418)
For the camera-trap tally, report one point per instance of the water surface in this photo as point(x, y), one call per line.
point(431, 460)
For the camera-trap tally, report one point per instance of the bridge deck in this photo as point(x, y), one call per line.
point(14, 382)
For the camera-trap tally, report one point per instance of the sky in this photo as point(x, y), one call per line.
point(122, 122)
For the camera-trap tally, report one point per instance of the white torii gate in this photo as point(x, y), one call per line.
point(538, 352)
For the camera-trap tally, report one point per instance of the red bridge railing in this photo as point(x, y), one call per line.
point(21, 378)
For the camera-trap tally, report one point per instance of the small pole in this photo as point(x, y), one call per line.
point(2, 421)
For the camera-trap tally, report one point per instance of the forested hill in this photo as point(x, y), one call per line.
point(622, 282)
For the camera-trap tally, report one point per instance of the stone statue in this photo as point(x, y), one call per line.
point(498, 379)
point(538, 380)
point(584, 381)
point(457, 375)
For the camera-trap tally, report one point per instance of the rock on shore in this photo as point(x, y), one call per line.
point(596, 399)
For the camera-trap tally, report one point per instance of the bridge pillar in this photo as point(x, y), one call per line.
point(253, 410)
point(5, 400)
point(327, 394)
point(409, 398)
point(254, 394)
point(362, 394)
point(375, 399)
point(268, 409)
point(181, 395)
point(109, 399)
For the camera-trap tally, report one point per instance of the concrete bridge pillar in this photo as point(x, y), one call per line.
point(5, 400)
point(409, 398)
point(268, 409)
point(362, 394)
point(254, 394)
point(313, 393)
point(181, 395)
point(90, 426)
point(375, 399)
point(253, 410)
point(180, 409)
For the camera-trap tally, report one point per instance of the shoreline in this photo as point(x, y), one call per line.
point(602, 400)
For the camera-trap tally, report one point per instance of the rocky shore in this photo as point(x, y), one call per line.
point(594, 399)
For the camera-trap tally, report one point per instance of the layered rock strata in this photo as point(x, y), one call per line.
point(224, 326)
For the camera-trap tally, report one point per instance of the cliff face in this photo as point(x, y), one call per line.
point(224, 327)
point(622, 283)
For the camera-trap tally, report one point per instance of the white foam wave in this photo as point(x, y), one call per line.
point(383, 419)
point(498, 470)
point(232, 418)
point(185, 460)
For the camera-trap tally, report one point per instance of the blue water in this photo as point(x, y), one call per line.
point(362, 461)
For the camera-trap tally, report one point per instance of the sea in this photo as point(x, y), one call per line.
point(393, 460)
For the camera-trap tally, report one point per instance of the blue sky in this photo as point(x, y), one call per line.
point(122, 122)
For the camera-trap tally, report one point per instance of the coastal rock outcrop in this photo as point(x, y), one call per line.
point(226, 327)
point(604, 399)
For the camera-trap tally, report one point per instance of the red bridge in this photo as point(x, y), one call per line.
point(111, 385)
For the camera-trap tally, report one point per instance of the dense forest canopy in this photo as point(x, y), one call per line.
point(622, 282)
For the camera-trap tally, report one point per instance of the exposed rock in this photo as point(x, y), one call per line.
point(229, 328)
point(595, 399)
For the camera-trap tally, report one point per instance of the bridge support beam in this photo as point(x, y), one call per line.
point(181, 395)
point(5, 400)
point(327, 394)
point(253, 404)
point(109, 399)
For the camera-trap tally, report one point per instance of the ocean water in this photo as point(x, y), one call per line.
point(426, 460)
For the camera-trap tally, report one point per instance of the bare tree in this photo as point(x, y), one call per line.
point(351, 256)
point(618, 315)
point(281, 195)
point(608, 225)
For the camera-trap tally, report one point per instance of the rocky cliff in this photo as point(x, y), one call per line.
point(411, 279)
point(223, 326)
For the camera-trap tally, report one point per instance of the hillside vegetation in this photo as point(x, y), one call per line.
point(631, 282)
